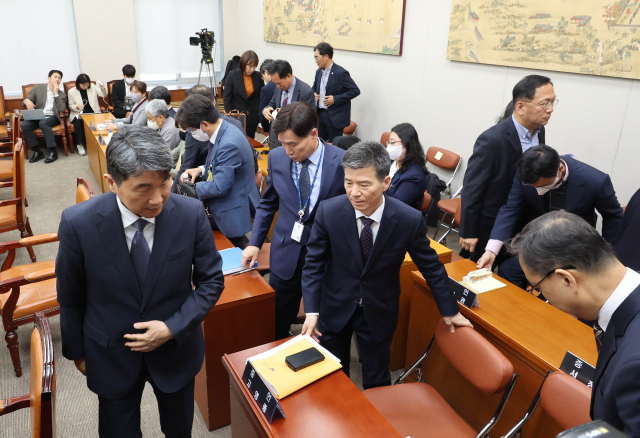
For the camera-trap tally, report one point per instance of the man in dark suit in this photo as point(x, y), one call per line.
point(228, 187)
point(121, 90)
point(491, 168)
point(303, 173)
point(351, 276)
point(289, 89)
point(577, 271)
point(547, 182)
point(125, 268)
point(161, 92)
point(333, 89)
point(627, 241)
point(266, 93)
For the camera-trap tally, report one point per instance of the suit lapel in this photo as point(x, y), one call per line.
point(574, 183)
point(285, 165)
point(387, 225)
point(165, 229)
point(348, 219)
point(330, 80)
point(112, 233)
point(240, 84)
point(513, 136)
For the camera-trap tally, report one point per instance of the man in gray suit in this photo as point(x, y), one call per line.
point(288, 89)
point(50, 98)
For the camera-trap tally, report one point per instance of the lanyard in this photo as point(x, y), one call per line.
point(303, 208)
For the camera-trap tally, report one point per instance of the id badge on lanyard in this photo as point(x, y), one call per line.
point(298, 227)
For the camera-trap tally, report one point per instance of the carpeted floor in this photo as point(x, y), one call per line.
point(50, 189)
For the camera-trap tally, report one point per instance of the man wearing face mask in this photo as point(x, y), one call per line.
point(121, 90)
point(548, 182)
point(159, 120)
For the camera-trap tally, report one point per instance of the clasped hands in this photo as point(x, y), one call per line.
point(328, 100)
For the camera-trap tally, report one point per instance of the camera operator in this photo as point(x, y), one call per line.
point(122, 90)
point(229, 187)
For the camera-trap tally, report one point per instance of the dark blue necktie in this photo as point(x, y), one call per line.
point(366, 238)
point(599, 334)
point(140, 253)
point(305, 186)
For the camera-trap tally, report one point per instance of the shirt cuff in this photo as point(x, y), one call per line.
point(494, 246)
point(202, 170)
point(314, 314)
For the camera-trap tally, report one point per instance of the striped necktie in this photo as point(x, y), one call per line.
point(599, 334)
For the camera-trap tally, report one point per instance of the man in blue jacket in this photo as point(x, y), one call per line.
point(228, 187)
point(334, 89)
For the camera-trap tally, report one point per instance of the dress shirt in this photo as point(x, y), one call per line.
point(48, 106)
point(628, 284)
point(212, 140)
point(315, 164)
point(288, 93)
point(129, 218)
point(324, 78)
point(394, 168)
point(494, 245)
point(526, 139)
point(127, 89)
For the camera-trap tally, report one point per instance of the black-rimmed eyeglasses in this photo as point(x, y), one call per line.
point(533, 290)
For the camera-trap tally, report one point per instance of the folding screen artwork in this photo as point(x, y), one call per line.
point(374, 26)
point(596, 37)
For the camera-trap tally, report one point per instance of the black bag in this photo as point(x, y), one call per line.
point(188, 189)
point(434, 186)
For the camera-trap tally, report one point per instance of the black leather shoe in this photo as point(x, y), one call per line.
point(53, 156)
point(37, 156)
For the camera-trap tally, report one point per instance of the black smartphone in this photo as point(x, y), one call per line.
point(304, 359)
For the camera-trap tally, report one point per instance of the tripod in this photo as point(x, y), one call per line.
point(210, 73)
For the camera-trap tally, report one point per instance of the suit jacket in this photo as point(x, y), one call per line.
point(615, 396)
point(75, 98)
point(627, 241)
point(100, 299)
point(38, 95)
point(343, 89)
point(232, 193)
point(301, 93)
point(281, 196)
point(139, 114)
point(334, 277)
point(489, 175)
point(265, 97)
point(409, 186)
point(118, 93)
point(235, 94)
point(588, 190)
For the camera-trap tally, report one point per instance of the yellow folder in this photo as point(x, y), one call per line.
point(282, 380)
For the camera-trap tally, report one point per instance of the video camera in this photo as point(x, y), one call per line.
point(205, 40)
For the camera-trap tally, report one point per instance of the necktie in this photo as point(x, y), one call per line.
point(286, 99)
point(305, 185)
point(366, 238)
point(599, 334)
point(140, 253)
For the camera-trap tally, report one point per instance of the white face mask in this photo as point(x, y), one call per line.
point(135, 98)
point(394, 152)
point(544, 189)
point(153, 125)
point(129, 80)
point(200, 135)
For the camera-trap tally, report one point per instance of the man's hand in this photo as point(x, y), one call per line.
point(29, 104)
point(79, 106)
point(80, 365)
point(457, 320)
point(250, 256)
point(157, 333)
point(110, 127)
point(468, 244)
point(328, 101)
point(56, 88)
point(317, 97)
point(267, 113)
point(310, 327)
point(191, 174)
point(486, 261)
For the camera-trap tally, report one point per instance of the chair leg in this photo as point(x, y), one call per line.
point(12, 344)
point(440, 224)
point(29, 233)
point(26, 203)
point(64, 144)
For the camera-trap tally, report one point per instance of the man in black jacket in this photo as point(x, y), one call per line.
point(122, 89)
point(491, 168)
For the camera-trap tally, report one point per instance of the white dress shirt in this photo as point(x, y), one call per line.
point(316, 159)
point(394, 168)
point(128, 219)
point(212, 140)
point(628, 284)
point(48, 106)
point(376, 216)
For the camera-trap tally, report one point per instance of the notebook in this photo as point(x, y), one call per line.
point(232, 261)
point(36, 114)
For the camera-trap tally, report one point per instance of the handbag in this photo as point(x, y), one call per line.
point(241, 116)
point(188, 189)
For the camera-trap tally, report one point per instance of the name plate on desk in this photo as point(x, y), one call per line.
point(466, 296)
point(578, 369)
point(266, 401)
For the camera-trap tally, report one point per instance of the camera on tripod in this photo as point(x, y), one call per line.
point(205, 40)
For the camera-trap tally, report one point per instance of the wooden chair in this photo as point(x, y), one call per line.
point(6, 166)
point(84, 191)
point(58, 130)
point(109, 91)
point(4, 128)
point(42, 384)
point(351, 129)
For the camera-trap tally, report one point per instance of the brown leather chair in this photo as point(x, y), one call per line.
point(417, 410)
point(444, 159)
point(84, 191)
point(109, 91)
point(351, 129)
point(564, 398)
point(42, 384)
point(446, 205)
point(4, 115)
point(58, 130)
point(384, 138)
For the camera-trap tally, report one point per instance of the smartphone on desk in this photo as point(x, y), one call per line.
point(304, 359)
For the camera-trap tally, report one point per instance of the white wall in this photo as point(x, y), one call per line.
point(451, 103)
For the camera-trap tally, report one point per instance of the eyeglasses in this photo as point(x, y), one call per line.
point(533, 290)
point(545, 105)
point(391, 143)
point(317, 57)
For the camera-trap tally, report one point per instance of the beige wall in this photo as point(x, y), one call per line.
point(106, 37)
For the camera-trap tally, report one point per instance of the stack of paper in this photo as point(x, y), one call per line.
point(484, 286)
point(282, 380)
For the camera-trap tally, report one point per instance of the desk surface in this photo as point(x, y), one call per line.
point(263, 160)
point(527, 324)
point(331, 407)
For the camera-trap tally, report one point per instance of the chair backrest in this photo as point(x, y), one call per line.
point(567, 400)
point(68, 86)
point(19, 186)
point(384, 138)
point(15, 127)
point(42, 385)
point(442, 158)
point(3, 105)
point(26, 89)
point(84, 191)
point(110, 90)
point(456, 217)
point(349, 130)
point(426, 202)
point(477, 359)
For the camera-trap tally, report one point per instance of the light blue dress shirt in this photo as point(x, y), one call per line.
point(315, 162)
point(323, 86)
point(526, 140)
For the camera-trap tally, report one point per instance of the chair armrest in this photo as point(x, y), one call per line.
point(5, 184)
point(6, 155)
point(13, 404)
point(13, 201)
point(43, 274)
point(39, 239)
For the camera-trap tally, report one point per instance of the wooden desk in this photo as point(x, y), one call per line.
point(331, 407)
point(243, 317)
point(399, 344)
point(263, 165)
point(532, 334)
point(95, 152)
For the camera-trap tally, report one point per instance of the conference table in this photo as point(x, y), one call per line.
point(330, 407)
point(532, 334)
point(96, 153)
